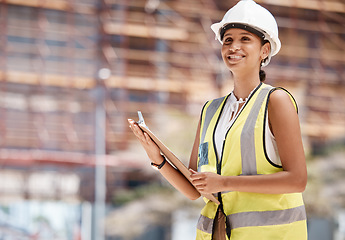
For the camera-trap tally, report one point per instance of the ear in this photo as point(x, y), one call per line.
point(265, 50)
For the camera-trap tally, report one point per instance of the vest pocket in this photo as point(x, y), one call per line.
point(203, 154)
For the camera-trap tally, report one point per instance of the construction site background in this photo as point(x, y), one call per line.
point(72, 73)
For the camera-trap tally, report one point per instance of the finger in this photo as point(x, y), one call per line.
point(138, 132)
point(197, 176)
point(149, 140)
point(198, 182)
point(134, 129)
point(196, 179)
point(131, 125)
point(131, 122)
point(147, 137)
point(200, 188)
point(137, 129)
point(193, 171)
point(200, 185)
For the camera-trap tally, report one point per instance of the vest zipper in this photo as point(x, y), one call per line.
point(219, 163)
point(216, 154)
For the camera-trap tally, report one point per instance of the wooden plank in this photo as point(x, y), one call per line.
point(312, 53)
point(140, 30)
point(319, 5)
point(61, 5)
point(309, 26)
point(49, 79)
point(57, 51)
point(193, 9)
point(326, 132)
point(185, 60)
point(326, 106)
point(293, 73)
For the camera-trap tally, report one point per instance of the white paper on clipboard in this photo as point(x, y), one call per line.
point(170, 155)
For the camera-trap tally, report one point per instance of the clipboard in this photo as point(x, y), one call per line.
point(170, 155)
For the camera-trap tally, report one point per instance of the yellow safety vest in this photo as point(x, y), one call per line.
point(249, 216)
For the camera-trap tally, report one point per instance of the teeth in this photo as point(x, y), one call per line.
point(234, 57)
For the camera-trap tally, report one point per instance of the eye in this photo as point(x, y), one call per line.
point(227, 40)
point(245, 38)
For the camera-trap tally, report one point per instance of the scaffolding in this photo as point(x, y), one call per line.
point(73, 71)
point(159, 53)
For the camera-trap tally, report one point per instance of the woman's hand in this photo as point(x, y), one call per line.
point(151, 148)
point(206, 182)
point(173, 176)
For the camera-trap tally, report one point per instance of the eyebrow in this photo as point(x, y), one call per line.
point(243, 33)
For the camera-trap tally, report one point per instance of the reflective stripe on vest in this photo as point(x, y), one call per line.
point(205, 224)
point(266, 218)
point(247, 136)
point(257, 218)
point(211, 110)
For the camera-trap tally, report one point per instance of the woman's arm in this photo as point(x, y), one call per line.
point(284, 124)
point(195, 150)
point(173, 176)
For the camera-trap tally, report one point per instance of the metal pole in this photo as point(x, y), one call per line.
point(100, 171)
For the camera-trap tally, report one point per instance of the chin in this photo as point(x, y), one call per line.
point(234, 67)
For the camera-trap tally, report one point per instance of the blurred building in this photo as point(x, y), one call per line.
point(159, 53)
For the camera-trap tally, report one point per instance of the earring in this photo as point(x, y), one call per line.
point(263, 61)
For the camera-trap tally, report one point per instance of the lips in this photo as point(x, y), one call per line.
point(235, 57)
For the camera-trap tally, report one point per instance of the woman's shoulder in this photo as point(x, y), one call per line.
point(279, 94)
point(280, 98)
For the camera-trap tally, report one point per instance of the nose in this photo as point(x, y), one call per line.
point(234, 46)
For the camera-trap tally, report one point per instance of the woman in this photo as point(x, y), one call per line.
point(248, 149)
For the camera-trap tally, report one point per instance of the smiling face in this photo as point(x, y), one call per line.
point(243, 50)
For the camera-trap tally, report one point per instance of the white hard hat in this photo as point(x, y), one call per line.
point(251, 16)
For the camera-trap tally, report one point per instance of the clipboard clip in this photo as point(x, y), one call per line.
point(141, 119)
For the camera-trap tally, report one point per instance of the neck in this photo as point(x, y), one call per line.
point(245, 83)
